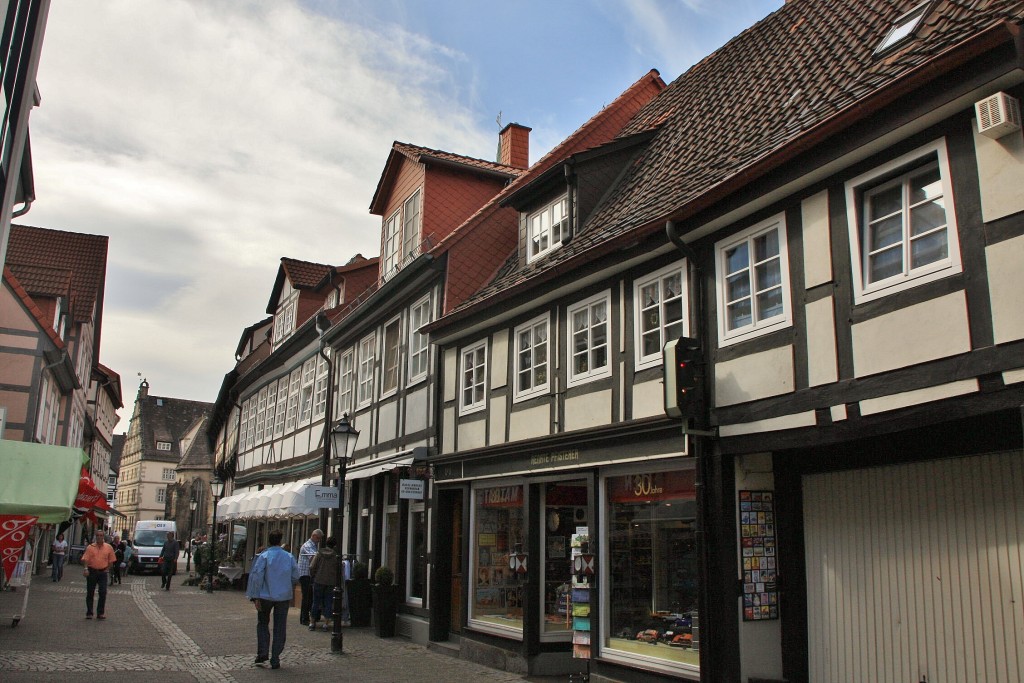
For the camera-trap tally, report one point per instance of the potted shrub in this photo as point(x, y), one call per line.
point(385, 602)
point(360, 595)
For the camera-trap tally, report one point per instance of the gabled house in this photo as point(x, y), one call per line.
point(104, 402)
point(388, 374)
point(267, 427)
point(162, 430)
point(830, 206)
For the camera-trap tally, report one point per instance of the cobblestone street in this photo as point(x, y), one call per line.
point(189, 635)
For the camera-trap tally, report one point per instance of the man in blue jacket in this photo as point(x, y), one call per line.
point(271, 582)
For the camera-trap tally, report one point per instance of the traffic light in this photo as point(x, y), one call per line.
point(679, 364)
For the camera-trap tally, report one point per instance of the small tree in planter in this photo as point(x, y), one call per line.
point(385, 602)
point(360, 595)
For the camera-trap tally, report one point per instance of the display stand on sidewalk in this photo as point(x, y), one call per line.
point(22, 576)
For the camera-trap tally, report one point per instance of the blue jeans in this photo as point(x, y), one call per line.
point(58, 567)
point(323, 601)
point(280, 610)
point(94, 580)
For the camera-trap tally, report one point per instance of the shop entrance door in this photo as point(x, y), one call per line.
point(456, 595)
point(565, 512)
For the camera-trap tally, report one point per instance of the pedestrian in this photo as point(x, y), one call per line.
point(58, 551)
point(168, 560)
point(115, 573)
point(129, 552)
point(273, 575)
point(324, 571)
point(96, 559)
point(306, 554)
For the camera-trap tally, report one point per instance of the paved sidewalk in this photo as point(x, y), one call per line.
point(188, 635)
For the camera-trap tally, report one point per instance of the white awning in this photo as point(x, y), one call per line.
point(280, 500)
point(373, 467)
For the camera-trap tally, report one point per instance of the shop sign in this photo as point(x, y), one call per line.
point(652, 486)
point(501, 497)
point(412, 489)
point(322, 496)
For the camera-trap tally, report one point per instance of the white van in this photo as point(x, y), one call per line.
point(148, 540)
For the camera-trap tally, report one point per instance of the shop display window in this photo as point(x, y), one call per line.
point(565, 511)
point(496, 590)
point(651, 567)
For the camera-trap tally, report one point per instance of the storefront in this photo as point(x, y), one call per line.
point(511, 577)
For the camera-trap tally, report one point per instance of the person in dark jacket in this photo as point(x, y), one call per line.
point(323, 570)
point(168, 560)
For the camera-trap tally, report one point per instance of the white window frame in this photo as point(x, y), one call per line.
point(479, 377)
point(540, 226)
point(419, 344)
point(270, 415)
point(284, 317)
point(755, 328)
point(163, 445)
point(540, 388)
point(292, 415)
point(261, 413)
point(167, 474)
point(392, 234)
point(903, 28)
point(901, 167)
point(658, 277)
point(364, 385)
point(306, 395)
point(412, 213)
point(282, 404)
point(161, 495)
point(320, 385)
point(346, 382)
point(588, 305)
point(391, 357)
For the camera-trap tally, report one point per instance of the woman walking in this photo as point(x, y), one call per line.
point(323, 570)
point(59, 551)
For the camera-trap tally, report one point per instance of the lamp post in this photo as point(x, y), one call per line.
point(217, 487)
point(192, 504)
point(343, 441)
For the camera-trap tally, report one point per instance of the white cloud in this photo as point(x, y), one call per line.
point(208, 139)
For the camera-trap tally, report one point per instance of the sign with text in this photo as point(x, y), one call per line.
point(412, 489)
point(322, 496)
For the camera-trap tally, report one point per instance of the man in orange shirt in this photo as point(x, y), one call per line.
point(97, 559)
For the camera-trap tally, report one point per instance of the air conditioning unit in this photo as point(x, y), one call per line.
point(998, 115)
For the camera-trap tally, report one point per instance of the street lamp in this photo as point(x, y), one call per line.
point(217, 486)
point(191, 522)
point(343, 443)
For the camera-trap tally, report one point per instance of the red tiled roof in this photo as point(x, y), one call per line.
point(84, 256)
point(19, 291)
point(303, 274)
point(759, 96)
point(43, 280)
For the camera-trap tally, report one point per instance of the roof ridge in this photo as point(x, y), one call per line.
point(504, 167)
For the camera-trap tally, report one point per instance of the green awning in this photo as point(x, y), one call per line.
point(41, 480)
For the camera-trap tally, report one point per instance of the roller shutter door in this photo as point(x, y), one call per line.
point(915, 571)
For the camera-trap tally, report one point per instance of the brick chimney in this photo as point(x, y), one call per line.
point(514, 146)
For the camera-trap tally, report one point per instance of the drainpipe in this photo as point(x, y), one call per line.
point(17, 213)
point(703, 477)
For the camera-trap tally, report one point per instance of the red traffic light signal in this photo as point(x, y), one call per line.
point(679, 366)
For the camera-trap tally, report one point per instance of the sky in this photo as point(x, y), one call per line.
point(210, 138)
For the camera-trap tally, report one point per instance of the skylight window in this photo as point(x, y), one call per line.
point(903, 28)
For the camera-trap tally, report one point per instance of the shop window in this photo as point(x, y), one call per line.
point(496, 591)
point(650, 569)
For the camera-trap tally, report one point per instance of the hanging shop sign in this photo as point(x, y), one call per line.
point(757, 540)
point(412, 489)
point(322, 496)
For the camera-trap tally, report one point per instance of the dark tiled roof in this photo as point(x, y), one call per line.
point(113, 384)
point(797, 70)
point(84, 256)
point(199, 454)
point(421, 154)
point(169, 419)
point(116, 450)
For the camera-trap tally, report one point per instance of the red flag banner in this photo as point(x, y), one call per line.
point(14, 530)
point(89, 499)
